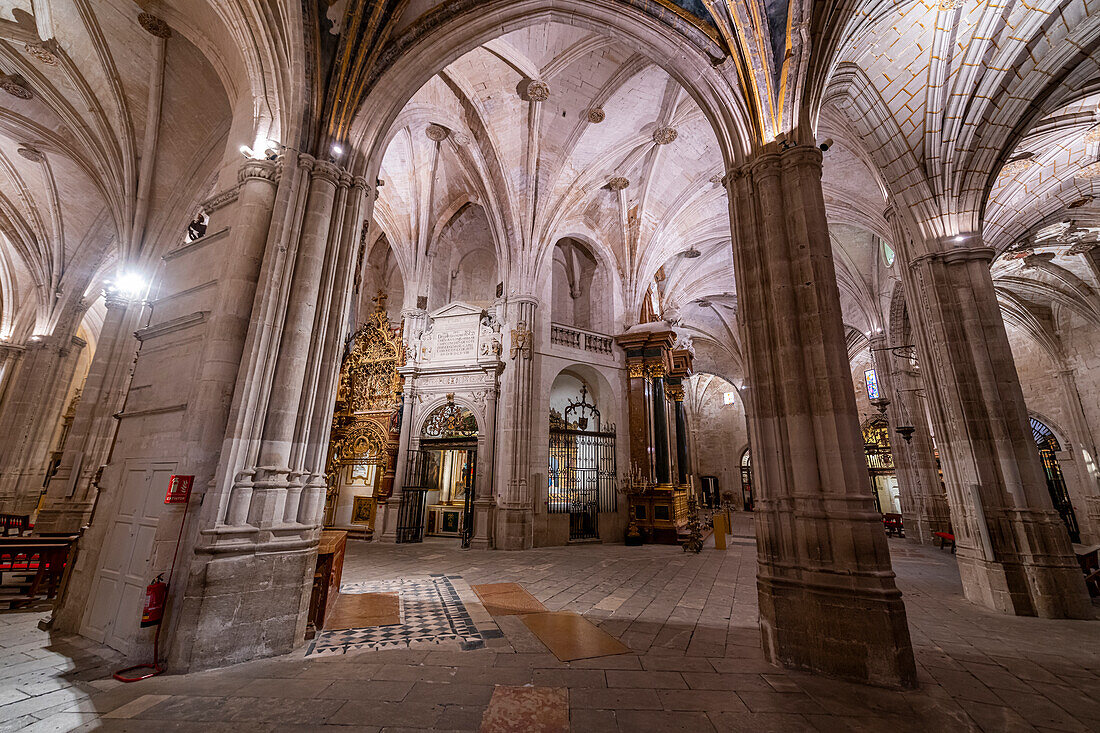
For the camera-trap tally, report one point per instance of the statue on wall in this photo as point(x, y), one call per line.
point(521, 341)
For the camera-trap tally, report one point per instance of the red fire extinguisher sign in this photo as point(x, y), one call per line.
point(179, 489)
point(156, 593)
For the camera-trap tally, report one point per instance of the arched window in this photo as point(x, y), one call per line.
point(746, 480)
point(1048, 446)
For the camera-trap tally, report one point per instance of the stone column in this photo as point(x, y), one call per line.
point(923, 503)
point(1013, 551)
point(515, 512)
point(483, 499)
point(33, 404)
point(388, 512)
point(828, 601)
point(413, 323)
point(274, 476)
point(235, 327)
point(71, 491)
point(315, 423)
point(1084, 458)
point(930, 510)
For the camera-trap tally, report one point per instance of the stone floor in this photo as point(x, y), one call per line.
point(697, 663)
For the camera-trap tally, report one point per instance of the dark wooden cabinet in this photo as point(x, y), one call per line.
point(326, 578)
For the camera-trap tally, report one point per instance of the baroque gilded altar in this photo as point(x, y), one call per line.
point(365, 425)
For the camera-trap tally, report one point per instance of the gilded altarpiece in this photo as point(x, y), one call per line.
point(365, 426)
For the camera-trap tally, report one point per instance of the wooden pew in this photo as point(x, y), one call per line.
point(44, 556)
point(18, 524)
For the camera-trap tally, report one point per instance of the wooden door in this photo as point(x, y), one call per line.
point(118, 591)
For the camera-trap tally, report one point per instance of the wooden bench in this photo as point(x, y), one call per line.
point(17, 524)
point(944, 538)
point(44, 556)
point(893, 524)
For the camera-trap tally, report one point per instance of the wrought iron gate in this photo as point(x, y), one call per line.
point(410, 512)
point(470, 479)
point(582, 471)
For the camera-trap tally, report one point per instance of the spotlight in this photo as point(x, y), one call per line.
point(826, 144)
point(130, 284)
point(247, 152)
point(337, 150)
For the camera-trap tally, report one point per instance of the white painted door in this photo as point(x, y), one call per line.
point(118, 592)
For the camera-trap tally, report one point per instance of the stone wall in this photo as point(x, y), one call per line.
point(718, 432)
point(1073, 415)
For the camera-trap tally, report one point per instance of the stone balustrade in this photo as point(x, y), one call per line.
point(576, 338)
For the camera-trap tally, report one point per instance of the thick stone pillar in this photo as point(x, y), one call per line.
point(828, 601)
point(330, 337)
point(1084, 458)
point(515, 506)
point(71, 491)
point(274, 477)
point(1013, 551)
point(385, 523)
point(483, 502)
point(205, 593)
point(929, 512)
point(413, 323)
point(923, 503)
point(32, 407)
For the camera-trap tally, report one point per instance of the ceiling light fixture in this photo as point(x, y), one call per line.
point(129, 284)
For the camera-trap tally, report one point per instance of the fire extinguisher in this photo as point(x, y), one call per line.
point(156, 593)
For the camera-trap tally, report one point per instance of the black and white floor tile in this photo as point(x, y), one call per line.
point(432, 612)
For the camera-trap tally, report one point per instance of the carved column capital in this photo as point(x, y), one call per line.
point(115, 299)
point(326, 171)
point(10, 351)
point(264, 170)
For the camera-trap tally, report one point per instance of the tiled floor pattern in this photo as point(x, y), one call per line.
point(431, 613)
point(696, 662)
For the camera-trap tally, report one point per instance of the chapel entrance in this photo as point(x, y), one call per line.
point(880, 466)
point(582, 471)
point(441, 478)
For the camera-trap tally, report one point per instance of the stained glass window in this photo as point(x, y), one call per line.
point(872, 384)
point(888, 254)
point(727, 398)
